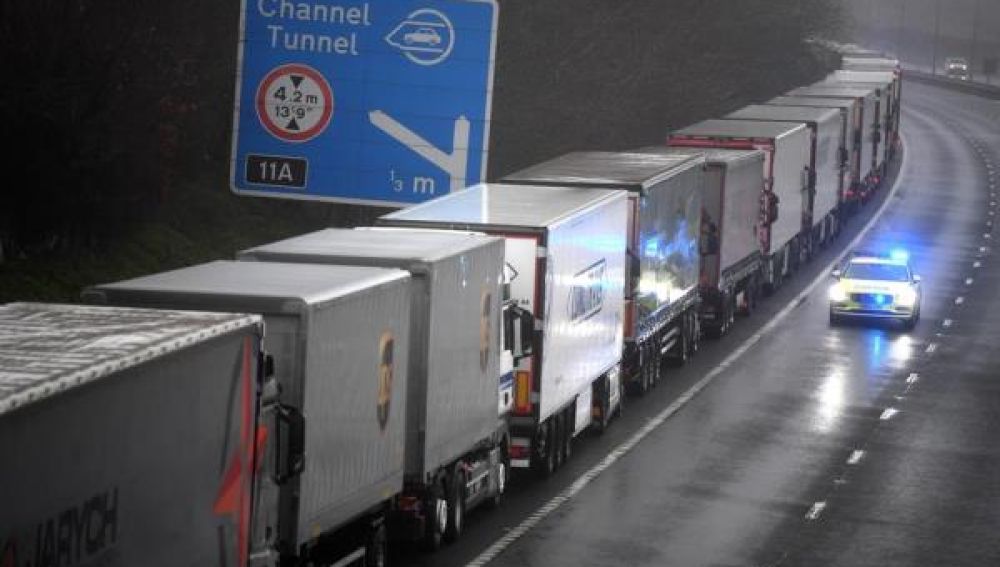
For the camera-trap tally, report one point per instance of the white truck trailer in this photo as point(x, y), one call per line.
point(889, 85)
point(335, 408)
point(731, 266)
point(129, 435)
point(661, 298)
point(881, 64)
point(850, 117)
point(871, 138)
point(786, 178)
point(565, 255)
point(457, 454)
point(828, 159)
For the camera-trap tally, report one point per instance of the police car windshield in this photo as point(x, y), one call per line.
point(882, 272)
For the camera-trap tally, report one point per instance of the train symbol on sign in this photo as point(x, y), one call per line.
point(426, 37)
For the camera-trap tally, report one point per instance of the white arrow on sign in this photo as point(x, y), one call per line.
point(454, 164)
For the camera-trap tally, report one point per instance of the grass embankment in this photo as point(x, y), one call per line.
point(188, 231)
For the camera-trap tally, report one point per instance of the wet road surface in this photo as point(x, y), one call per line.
point(811, 445)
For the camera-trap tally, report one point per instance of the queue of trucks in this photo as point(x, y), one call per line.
point(318, 398)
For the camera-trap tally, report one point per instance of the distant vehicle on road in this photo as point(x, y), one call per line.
point(957, 68)
point(426, 36)
point(876, 287)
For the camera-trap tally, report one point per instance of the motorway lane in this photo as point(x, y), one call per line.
point(928, 489)
point(731, 478)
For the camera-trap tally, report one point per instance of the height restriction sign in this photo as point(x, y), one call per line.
point(382, 102)
point(294, 103)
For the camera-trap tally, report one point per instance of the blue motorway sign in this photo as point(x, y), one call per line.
point(381, 102)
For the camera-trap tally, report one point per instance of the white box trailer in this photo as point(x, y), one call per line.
point(828, 160)
point(456, 443)
point(889, 84)
point(661, 300)
point(786, 167)
point(127, 435)
point(565, 257)
point(871, 141)
point(730, 251)
point(882, 64)
point(335, 408)
point(850, 113)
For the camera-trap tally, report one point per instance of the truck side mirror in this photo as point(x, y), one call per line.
point(290, 446)
point(770, 206)
point(634, 271)
point(518, 331)
point(709, 243)
point(266, 366)
point(526, 332)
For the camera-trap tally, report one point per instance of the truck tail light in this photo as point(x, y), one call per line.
point(409, 504)
point(519, 452)
point(522, 392)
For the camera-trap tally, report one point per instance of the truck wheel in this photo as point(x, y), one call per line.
point(604, 403)
point(695, 334)
point(680, 354)
point(567, 440)
point(621, 400)
point(456, 505)
point(436, 520)
point(377, 549)
point(544, 459)
point(642, 388)
point(503, 472)
point(557, 436)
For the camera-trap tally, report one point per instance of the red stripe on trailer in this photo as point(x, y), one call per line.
point(725, 143)
point(234, 494)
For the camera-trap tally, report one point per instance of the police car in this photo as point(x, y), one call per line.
point(877, 287)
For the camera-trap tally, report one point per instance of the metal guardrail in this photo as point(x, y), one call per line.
point(969, 87)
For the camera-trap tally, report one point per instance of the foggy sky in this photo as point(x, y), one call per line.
point(908, 28)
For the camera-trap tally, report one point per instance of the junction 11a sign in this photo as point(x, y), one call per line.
point(381, 102)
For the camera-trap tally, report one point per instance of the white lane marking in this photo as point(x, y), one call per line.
point(497, 547)
point(855, 457)
point(946, 322)
point(888, 414)
point(931, 348)
point(968, 281)
point(913, 378)
point(986, 235)
point(977, 264)
point(959, 300)
point(815, 511)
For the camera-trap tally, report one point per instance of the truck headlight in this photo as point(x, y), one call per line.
point(837, 293)
point(907, 297)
